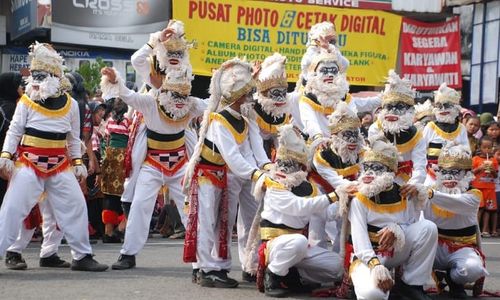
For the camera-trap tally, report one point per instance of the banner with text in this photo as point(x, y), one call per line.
point(367, 4)
point(431, 53)
point(224, 29)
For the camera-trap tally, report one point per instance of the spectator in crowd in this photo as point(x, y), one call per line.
point(485, 119)
point(472, 124)
point(485, 168)
point(465, 114)
point(113, 172)
point(493, 131)
point(366, 119)
point(10, 91)
point(94, 195)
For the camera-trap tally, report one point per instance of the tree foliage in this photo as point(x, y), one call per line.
point(91, 73)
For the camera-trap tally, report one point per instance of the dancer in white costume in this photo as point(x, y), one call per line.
point(289, 201)
point(386, 232)
point(270, 111)
point(424, 114)
point(395, 120)
point(166, 50)
point(228, 145)
point(335, 165)
point(446, 128)
point(326, 87)
point(165, 117)
point(453, 206)
point(43, 138)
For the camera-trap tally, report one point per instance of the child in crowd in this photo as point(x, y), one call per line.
point(493, 131)
point(113, 171)
point(93, 191)
point(472, 124)
point(497, 181)
point(485, 168)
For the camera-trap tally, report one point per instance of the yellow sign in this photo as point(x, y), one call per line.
point(224, 29)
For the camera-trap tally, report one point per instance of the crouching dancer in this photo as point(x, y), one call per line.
point(289, 202)
point(453, 207)
point(386, 232)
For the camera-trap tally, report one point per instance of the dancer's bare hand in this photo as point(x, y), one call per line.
point(166, 34)
point(110, 73)
point(386, 239)
point(408, 191)
point(385, 285)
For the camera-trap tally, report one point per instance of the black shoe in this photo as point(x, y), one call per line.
point(15, 261)
point(87, 263)
point(124, 262)
point(295, 284)
point(274, 285)
point(53, 261)
point(195, 277)
point(457, 291)
point(111, 239)
point(248, 277)
point(217, 279)
point(411, 292)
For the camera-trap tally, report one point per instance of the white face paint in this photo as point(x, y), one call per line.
point(446, 113)
point(374, 179)
point(347, 144)
point(453, 181)
point(396, 117)
point(175, 104)
point(42, 85)
point(274, 102)
point(328, 92)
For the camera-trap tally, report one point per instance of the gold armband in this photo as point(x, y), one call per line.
point(6, 155)
point(373, 262)
point(430, 193)
point(77, 162)
point(332, 197)
point(317, 136)
point(267, 166)
point(256, 174)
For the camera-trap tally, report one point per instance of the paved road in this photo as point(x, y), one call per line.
point(160, 274)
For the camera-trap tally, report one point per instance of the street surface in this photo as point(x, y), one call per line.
point(160, 274)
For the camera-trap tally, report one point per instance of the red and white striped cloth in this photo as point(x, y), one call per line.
point(96, 139)
point(119, 128)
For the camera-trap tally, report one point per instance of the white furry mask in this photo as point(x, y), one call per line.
point(381, 182)
point(345, 150)
point(447, 115)
point(453, 183)
point(393, 122)
point(41, 90)
point(289, 177)
point(328, 93)
point(178, 107)
point(272, 107)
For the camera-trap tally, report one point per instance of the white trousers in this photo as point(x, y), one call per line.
point(52, 236)
point(139, 151)
point(466, 266)
point(416, 259)
point(322, 231)
point(240, 191)
point(315, 264)
point(207, 250)
point(149, 182)
point(67, 202)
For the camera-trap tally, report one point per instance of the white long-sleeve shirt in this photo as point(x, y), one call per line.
point(242, 158)
point(281, 206)
point(30, 114)
point(364, 211)
point(453, 211)
point(314, 117)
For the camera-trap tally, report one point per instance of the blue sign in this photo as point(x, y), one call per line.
point(23, 17)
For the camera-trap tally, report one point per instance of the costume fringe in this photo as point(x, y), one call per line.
point(398, 234)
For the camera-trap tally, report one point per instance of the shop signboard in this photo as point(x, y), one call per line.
point(108, 23)
point(255, 30)
point(430, 53)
